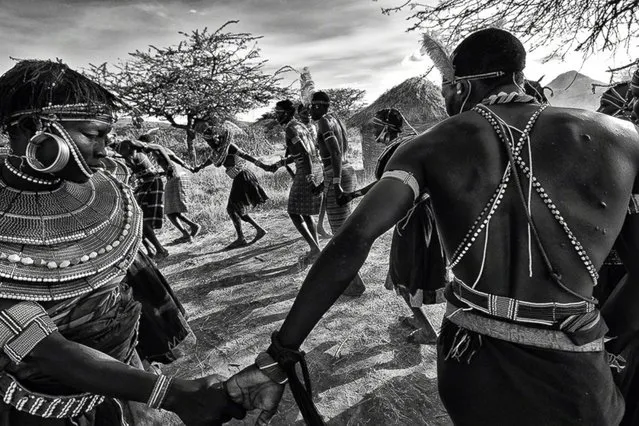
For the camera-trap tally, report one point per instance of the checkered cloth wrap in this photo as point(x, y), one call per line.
point(300, 198)
point(149, 195)
point(337, 214)
point(176, 191)
point(246, 193)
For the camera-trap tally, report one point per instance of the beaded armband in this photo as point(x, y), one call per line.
point(633, 207)
point(337, 180)
point(22, 327)
point(158, 394)
point(405, 178)
point(270, 368)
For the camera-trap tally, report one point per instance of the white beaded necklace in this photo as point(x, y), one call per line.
point(27, 177)
point(490, 208)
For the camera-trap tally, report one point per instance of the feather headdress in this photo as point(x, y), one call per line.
point(437, 53)
point(307, 86)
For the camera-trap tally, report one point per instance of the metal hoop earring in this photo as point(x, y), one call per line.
point(61, 159)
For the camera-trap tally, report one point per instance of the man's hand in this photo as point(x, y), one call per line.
point(345, 198)
point(254, 390)
point(270, 167)
point(318, 189)
point(203, 402)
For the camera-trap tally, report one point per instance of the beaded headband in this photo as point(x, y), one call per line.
point(320, 103)
point(482, 76)
point(70, 112)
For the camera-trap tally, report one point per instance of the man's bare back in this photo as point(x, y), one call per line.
point(586, 162)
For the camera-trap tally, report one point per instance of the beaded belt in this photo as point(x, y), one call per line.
point(548, 313)
point(41, 405)
point(517, 333)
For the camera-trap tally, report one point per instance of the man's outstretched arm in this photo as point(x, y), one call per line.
point(384, 205)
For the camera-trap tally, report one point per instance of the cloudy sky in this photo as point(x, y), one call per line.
point(346, 43)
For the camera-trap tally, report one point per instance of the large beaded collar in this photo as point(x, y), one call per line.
point(66, 242)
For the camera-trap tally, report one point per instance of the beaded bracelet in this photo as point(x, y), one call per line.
point(270, 368)
point(337, 180)
point(158, 394)
point(22, 327)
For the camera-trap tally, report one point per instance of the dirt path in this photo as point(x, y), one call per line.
point(361, 369)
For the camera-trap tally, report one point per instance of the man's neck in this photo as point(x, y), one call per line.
point(505, 88)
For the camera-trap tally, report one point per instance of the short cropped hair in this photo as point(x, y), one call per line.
point(489, 50)
point(286, 105)
point(320, 97)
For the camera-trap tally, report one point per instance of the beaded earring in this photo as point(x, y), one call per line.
point(61, 159)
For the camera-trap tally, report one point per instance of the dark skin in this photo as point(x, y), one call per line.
point(128, 148)
point(459, 163)
point(331, 142)
point(214, 142)
point(303, 223)
point(197, 402)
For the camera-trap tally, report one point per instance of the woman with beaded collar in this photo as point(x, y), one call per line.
point(68, 234)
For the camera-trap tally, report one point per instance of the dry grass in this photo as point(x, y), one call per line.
point(362, 370)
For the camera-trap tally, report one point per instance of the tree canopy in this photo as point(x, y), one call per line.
point(345, 101)
point(207, 76)
point(581, 25)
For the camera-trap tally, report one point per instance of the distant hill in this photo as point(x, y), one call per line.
point(573, 89)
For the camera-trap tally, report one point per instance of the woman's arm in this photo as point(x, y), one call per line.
point(32, 338)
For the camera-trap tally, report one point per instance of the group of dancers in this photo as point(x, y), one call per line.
point(510, 203)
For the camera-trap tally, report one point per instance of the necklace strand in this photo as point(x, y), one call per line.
point(27, 177)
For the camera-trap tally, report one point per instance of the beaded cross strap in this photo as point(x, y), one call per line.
point(66, 242)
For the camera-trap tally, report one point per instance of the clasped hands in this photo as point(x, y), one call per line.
point(268, 167)
point(215, 403)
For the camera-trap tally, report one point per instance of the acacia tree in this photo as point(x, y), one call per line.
point(345, 101)
point(207, 76)
point(581, 25)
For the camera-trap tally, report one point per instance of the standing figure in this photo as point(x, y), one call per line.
point(416, 261)
point(302, 203)
point(304, 115)
point(176, 195)
point(525, 227)
point(246, 191)
point(69, 234)
point(339, 175)
point(149, 193)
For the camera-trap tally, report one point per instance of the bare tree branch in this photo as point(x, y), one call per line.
point(581, 25)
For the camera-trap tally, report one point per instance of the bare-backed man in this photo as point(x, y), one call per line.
point(522, 338)
point(339, 176)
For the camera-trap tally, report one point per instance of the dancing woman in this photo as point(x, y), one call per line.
point(246, 191)
point(69, 234)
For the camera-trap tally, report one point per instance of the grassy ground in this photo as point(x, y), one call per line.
point(362, 370)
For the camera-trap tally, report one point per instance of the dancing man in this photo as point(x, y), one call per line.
point(416, 263)
point(525, 228)
point(338, 173)
point(302, 203)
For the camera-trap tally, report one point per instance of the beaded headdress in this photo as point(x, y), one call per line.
point(50, 92)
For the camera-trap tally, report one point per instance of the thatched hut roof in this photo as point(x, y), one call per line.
point(234, 129)
point(418, 99)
